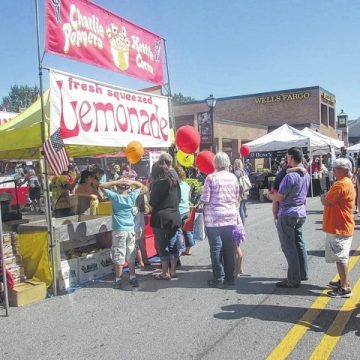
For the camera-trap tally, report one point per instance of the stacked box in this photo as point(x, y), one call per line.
point(105, 263)
point(88, 268)
point(69, 274)
point(13, 261)
point(27, 293)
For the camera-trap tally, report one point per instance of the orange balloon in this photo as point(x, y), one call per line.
point(134, 152)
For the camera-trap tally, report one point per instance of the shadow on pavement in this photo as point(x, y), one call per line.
point(287, 314)
point(262, 285)
point(317, 253)
point(314, 212)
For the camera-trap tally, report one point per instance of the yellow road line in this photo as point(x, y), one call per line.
point(332, 336)
point(288, 343)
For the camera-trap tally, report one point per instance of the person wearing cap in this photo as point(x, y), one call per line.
point(339, 225)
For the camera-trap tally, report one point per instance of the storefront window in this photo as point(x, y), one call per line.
point(332, 117)
point(324, 114)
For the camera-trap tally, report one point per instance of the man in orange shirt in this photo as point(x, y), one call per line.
point(339, 224)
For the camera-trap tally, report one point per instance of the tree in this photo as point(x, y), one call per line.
point(19, 98)
point(181, 99)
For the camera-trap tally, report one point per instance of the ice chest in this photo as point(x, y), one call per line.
point(27, 292)
point(105, 208)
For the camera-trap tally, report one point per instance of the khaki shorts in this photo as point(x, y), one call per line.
point(337, 248)
point(123, 247)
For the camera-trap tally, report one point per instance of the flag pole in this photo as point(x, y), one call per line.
point(46, 179)
point(172, 120)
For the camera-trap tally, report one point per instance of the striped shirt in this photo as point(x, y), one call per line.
point(220, 195)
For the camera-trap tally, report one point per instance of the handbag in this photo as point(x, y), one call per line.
point(245, 183)
point(199, 227)
point(238, 232)
point(189, 222)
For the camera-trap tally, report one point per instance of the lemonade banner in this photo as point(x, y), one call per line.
point(89, 112)
point(86, 32)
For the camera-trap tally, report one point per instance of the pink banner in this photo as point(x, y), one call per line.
point(84, 31)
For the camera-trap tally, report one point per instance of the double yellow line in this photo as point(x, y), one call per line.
point(332, 336)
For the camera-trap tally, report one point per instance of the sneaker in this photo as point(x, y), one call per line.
point(336, 284)
point(340, 292)
point(117, 285)
point(219, 284)
point(134, 283)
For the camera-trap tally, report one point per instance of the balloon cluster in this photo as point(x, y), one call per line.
point(187, 140)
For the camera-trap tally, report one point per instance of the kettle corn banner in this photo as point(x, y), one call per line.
point(84, 31)
point(89, 112)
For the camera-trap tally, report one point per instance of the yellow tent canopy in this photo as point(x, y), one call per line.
point(20, 138)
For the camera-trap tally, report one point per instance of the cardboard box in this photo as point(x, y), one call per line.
point(27, 292)
point(88, 268)
point(69, 274)
point(106, 265)
point(12, 260)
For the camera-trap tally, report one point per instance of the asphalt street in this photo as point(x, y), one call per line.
point(184, 319)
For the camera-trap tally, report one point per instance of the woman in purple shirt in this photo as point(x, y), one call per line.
point(221, 198)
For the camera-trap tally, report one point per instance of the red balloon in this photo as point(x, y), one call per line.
point(244, 150)
point(187, 139)
point(205, 162)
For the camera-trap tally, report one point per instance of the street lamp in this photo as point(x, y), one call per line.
point(211, 103)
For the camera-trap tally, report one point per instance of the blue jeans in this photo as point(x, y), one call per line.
point(290, 230)
point(242, 210)
point(166, 242)
point(221, 252)
point(188, 235)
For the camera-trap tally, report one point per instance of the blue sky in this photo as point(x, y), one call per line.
point(225, 48)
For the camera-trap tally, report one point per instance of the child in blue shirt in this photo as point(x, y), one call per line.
point(123, 234)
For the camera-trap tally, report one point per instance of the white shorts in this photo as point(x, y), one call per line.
point(337, 248)
point(123, 247)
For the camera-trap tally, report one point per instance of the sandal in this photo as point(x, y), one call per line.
point(161, 277)
point(173, 276)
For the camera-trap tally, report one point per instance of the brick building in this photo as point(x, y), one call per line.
point(239, 119)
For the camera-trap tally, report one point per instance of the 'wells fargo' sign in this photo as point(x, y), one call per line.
point(89, 112)
point(282, 97)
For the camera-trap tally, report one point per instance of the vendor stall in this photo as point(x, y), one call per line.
point(286, 137)
point(76, 253)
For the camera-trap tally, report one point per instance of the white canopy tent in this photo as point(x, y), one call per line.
point(286, 137)
point(281, 138)
point(354, 148)
point(331, 142)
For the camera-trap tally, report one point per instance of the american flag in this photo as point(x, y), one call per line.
point(55, 153)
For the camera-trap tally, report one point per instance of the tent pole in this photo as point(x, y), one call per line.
point(4, 278)
point(43, 139)
point(311, 175)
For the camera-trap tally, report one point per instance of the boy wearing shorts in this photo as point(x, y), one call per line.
point(123, 234)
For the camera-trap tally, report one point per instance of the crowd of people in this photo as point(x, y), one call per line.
point(167, 198)
point(289, 211)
